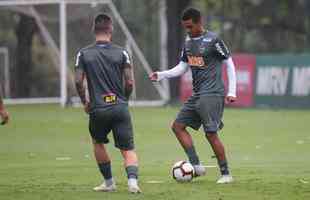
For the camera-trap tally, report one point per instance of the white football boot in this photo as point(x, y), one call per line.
point(225, 179)
point(133, 186)
point(200, 170)
point(104, 188)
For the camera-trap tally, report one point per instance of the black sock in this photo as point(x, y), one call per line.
point(105, 169)
point(192, 155)
point(132, 171)
point(223, 167)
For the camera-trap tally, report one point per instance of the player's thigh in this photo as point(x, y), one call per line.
point(99, 126)
point(210, 110)
point(122, 129)
point(188, 115)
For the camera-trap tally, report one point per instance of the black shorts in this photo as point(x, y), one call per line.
point(115, 118)
point(204, 110)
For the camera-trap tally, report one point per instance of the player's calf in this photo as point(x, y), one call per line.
point(131, 163)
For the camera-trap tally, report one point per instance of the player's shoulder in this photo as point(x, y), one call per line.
point(86, 48)
point(117, 47)
point(210, 36)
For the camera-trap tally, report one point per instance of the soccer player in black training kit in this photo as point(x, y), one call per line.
point(108, 71)
point(3, 113)
point(203, 53)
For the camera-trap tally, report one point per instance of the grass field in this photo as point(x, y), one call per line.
point(45, 153)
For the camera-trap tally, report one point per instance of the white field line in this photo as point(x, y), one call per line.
point(303, 181)
point(154, 182)
point(63, 158)
point(209, 166)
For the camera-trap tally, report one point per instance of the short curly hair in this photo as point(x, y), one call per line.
point(103, 24)
point(193, 14)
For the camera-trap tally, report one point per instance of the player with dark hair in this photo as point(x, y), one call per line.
point(107, 68)
point(3, 113)
point(203, 53)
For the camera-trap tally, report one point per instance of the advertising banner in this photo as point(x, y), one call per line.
point(282, 81)
point(245, 72)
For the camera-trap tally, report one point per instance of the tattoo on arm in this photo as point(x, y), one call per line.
point(79, 83)
point(129, 82)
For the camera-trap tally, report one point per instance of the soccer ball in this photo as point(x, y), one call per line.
point(183, 171)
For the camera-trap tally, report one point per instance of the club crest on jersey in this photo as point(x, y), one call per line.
point(196, 61)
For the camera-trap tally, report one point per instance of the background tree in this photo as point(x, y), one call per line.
point(175, 39)
point(25, 31)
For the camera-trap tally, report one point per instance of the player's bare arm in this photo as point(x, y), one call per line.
point(129, 81)
point(79, 83)
point(3, 113)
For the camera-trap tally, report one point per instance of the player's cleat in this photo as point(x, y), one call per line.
point(134, 189)
point(133, 186)
point(200, 170)
point(104, 188)
point(225, 179)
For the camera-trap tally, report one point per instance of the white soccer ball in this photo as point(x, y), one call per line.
point(183, 171)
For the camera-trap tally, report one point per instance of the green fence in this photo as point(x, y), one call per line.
point(282, 81)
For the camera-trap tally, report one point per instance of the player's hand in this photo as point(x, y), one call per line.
point(87, 107)
point(4, 116)
point(230, 99)
point(153, 76)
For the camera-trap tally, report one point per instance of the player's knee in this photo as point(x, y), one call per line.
point(211, 136)
point(176, 127)
point(98, 146)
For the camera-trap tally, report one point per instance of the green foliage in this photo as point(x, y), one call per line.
point(45, 152)
point(273, 22)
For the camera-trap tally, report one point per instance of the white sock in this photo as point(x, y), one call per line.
point(133, 181)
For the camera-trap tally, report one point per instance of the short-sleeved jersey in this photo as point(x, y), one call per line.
point(103, 64)
point(205, 54)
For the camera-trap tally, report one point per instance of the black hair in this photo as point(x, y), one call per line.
point(193, 14)
point(103, 24)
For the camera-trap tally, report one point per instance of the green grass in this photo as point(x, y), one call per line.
point(268, 151)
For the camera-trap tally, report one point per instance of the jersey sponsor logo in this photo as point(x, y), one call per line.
point(196, 61)
point(109, 98)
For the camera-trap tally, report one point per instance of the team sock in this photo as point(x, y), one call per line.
point(105, 169)
point(223, 167)
point(132, 172)
point(192, 155)
point(109, 182)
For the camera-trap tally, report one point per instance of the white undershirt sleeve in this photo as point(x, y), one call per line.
point(178, 70)
point(231, 73)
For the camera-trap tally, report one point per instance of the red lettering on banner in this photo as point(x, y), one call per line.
point(245, 72)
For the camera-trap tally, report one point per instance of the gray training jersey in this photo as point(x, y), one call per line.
point(205, 54)
point(103, 64)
